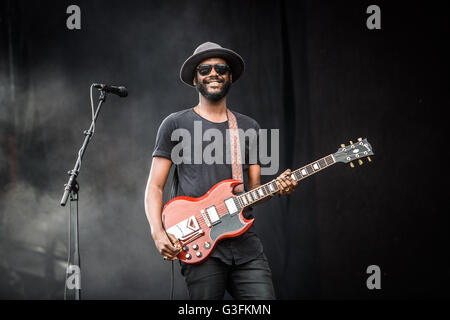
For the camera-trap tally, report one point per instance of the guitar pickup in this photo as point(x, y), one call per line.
point(231, 206)
point(213, 215)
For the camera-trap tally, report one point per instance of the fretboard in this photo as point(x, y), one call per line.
point(270, 188)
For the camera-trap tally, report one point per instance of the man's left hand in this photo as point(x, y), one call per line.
point(286, 183)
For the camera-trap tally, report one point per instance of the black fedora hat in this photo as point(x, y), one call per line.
point(211, 50)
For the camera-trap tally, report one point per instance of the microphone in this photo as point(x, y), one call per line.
point(120, 91)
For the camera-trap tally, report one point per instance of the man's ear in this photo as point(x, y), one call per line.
point(231, 77)
point(195, 80)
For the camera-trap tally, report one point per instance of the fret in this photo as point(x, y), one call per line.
point(244, 200)
point(309, 169)
point(241, 201)
point(271, 188)
point(322, 163)
point(315, 166)
point(249, 197)
point(329, 160)
point(261, 192)
point(275, 186)
point(255, 195)
point(237, 203)
point(237, 199)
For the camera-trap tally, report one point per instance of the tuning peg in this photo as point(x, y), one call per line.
point(368, 158)
point(359, 139)
point(342, 145)
point(360, 162)
point(351, 142)
point(352, 165)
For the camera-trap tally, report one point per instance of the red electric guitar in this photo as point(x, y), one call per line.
point(199, 223)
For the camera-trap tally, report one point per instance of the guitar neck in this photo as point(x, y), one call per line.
point(267, 190)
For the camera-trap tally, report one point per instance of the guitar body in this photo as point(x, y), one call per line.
point(200, 223)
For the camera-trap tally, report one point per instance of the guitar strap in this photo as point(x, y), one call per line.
point(235, 148)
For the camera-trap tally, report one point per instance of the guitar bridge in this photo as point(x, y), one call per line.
point(192, 236)
point(186, 230)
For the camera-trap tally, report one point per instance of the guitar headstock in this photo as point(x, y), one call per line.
point(354, 151)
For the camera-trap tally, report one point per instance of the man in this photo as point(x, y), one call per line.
point(238, 264)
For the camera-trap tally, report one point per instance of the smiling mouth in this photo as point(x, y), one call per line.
point(213, 81)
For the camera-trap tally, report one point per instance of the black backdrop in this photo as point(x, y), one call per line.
point(314, 71)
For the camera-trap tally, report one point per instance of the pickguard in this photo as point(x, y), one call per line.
point(227, 224)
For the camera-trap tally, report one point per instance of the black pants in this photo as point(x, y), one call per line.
point(210, 279)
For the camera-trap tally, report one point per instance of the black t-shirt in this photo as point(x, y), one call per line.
point(200, 165)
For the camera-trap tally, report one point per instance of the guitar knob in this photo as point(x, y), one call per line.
point(352, 165)
point(360, 162)
point(207, 245)
point(198, 254)
point(188, 256)
point(185, 248)
point(195, 247)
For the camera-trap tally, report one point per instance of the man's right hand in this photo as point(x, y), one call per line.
point(165, 247)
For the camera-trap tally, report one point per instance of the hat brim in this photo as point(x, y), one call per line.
point(234, 60)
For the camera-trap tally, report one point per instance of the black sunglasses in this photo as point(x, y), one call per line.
point(205, 69)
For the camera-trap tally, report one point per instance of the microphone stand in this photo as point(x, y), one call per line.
point(72, 189)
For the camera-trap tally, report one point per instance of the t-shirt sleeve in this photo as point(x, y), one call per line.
point(164, 144)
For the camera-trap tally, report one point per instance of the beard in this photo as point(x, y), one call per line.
point(216, 95)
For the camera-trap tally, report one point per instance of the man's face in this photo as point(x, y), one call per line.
point(213, 86)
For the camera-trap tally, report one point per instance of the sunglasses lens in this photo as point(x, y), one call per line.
point(204, 69)
point(221, 68)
